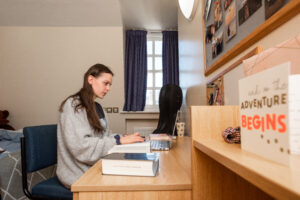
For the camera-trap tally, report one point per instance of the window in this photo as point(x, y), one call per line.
point(154, 79)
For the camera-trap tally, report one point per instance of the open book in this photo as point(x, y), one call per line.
point(140, 147)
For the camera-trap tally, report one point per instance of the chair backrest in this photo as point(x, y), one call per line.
point(170, 100)
point(40, 146)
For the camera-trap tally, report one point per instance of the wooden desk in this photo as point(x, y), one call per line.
point(225, 171)
point(172, 182)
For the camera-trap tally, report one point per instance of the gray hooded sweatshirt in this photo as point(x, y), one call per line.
point(78, 145)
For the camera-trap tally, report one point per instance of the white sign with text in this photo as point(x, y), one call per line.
point(264, 103)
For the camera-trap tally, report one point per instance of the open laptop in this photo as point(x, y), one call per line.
point(164, 145)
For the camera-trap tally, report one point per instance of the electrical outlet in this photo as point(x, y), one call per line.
point(109, 109)
point(115, 109)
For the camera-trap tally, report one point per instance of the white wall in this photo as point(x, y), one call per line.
point(41, 66)
point(191, 63)
point(191, 59)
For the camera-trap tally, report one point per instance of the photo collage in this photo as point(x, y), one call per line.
point(222, 18)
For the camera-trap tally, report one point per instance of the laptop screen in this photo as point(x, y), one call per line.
point(173, 133)
point(173, 130)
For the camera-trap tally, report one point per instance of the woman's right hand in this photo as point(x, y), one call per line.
point(133, 138)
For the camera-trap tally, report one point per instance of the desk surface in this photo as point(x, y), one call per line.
point(174, 174)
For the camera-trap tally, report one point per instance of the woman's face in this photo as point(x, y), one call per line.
point(101, 84)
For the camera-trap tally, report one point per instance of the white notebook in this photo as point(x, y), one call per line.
point(140, 147)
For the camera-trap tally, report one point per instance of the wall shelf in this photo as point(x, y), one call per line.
point(225, 171)
point(275, 179)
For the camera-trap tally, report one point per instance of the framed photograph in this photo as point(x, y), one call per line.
point(248, 8)
point(207, 9)
point(217, 45)
point(230, 22)
point(210, 32)
point(272, 6)
point(218, 14)
point(227, 3)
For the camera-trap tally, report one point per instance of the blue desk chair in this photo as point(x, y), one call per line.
point(38, 151)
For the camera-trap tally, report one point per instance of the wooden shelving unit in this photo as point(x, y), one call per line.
point(225, 171)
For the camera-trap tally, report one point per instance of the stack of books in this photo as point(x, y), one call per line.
point(131, 164)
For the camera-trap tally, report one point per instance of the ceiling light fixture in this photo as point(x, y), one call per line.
point(188, 8)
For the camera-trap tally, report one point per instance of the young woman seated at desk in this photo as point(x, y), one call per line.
point(83, 136)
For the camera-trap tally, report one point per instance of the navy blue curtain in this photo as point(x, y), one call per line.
point(170, 58)
point(135, 70)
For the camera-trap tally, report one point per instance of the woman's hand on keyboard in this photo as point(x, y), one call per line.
point(133, 138)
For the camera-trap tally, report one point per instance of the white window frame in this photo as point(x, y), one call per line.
point(157, 36)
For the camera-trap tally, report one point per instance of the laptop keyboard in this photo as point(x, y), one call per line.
point(160, 145)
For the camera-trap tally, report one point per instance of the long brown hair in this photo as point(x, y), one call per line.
point(85, 95)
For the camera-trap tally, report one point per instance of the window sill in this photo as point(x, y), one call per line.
point(139, 112)
point(130, 115)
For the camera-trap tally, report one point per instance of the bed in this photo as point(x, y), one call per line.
point(10, 167)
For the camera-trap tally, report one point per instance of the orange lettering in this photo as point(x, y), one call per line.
point(263, 124)
point(283, 126)
point(256, 122)
point(249, 123)
point(271, 121)
point(267, 122)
